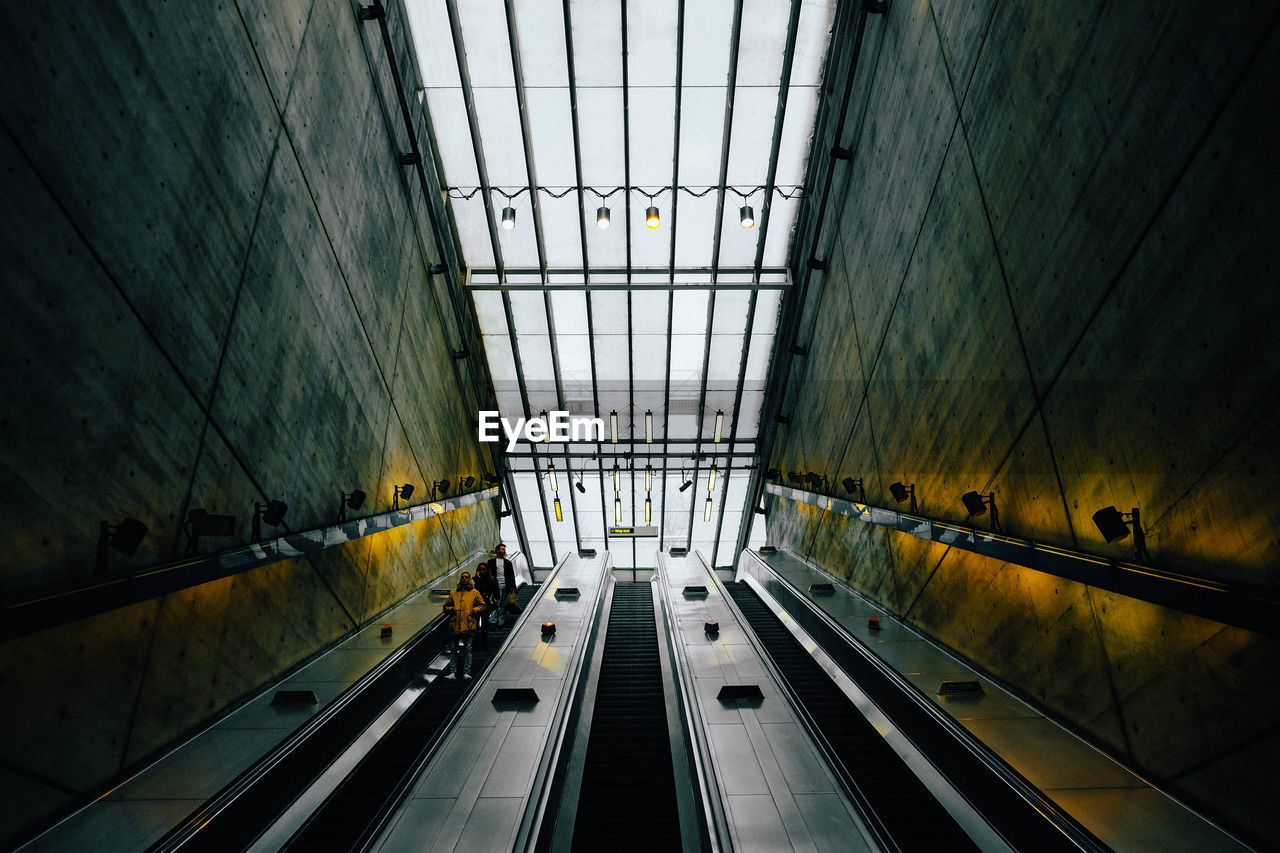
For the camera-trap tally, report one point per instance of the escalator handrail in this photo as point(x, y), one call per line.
point(199, 819)
point(867, 813)
point(717, 832)
point(378, 825)
point(1073, 830)
point(544, 794)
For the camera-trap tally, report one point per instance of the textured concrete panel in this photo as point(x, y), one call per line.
point(177, 132)
point(85, 375)
point(892, 180)
point(217, 642)
point(77, 685)
point(276, 30)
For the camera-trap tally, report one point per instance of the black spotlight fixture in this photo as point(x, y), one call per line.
point(353, 500)
point(772, 474)
point(468, 482)
point(816, 480)
point(901, 493)
point(439, 487)
point(490, 479)
point(687, 484)
point(854, 486)
point(272, 512)
point(124, 537)
point(581, 488)
point(976, 504)
point(1110, 523)
point(795, 478)
point(399, 493)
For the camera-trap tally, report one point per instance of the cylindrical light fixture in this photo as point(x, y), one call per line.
point(706, 514)
point(648, 510)
point(711, 484)
point(551, 472)
point(719, 425)
point(602, 218)
point(613, 426)
point(617, 510)
point(617, 478)
point(559, 512)
point(546, 440)
point(652, 219)
point(747, 216)
point(508, 218)
point(648, 426)
point(648, 478)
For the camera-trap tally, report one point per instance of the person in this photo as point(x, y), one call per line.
point(502, 569)
point(463, 607)
point(487, 585)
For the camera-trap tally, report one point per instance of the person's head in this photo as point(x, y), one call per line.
point(502, 550)
point(464, 582)
point(482, 570)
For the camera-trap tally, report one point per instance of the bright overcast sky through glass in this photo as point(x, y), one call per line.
point(557, 110)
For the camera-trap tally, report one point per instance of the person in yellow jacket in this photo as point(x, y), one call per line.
point(463, 607)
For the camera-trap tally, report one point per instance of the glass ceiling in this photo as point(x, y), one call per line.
point(555, 110)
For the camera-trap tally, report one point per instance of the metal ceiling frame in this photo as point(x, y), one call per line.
point(473, 123)
point(754, 284)
point(726, 138)
point(775, 146)
point(808, 233)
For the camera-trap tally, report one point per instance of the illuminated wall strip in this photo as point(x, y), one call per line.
point(48, 610)
point(1251, 608)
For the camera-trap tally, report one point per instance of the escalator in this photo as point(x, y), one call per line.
point(904, 809)
point(628, 792)
point(351, 816)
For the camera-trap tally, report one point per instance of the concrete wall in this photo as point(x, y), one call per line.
point(216, 293)
point(1054, 278)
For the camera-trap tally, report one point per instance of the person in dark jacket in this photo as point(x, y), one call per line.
point(487, 585)
point(503, 570)
point(463, 607)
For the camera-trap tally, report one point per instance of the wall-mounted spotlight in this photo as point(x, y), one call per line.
point(468, 482)
point(853, 486)
point(508, 218)
point(652, 219)
point(559, 512)
point(977, 504)
point(490, 479)
point(772, 474)
point(706, 513)
point(602, 218)
point(1114, 525)
point(613, 426)
point(272, 512)
point(901, 493)
point(686, 485)
point(124, 537)
point(439, 487)
point(795, 478)
point(747, 216)
point(405, 492)
point(648, 427)
point(350, 500)
point(816, 480)
point(551, 474)
point(719, 426)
